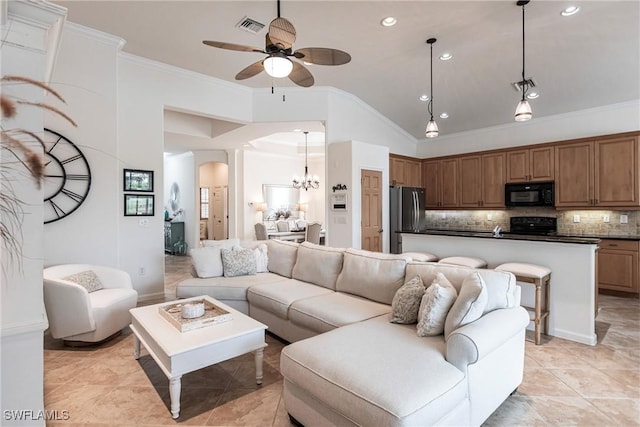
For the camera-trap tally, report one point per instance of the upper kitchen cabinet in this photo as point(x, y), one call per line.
point(530, 165)
point(405, 171)
point(482, 180)
point(599, 173)
point(440, 179)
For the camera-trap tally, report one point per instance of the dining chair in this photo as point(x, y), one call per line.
point(261, 231)
point(312, 233)
point(282, 225)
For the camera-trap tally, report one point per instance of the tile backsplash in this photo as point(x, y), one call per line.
point(591, 222)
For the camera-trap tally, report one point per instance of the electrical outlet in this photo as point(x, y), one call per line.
point(141, 271)
point(143, 222)
point(443, 215)
point(489, 217)
point(576, 218)
point(624, 219)
point(606, 218)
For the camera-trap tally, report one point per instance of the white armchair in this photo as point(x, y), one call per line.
point(78, 315)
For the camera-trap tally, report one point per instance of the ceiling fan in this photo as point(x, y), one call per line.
point(279, 48)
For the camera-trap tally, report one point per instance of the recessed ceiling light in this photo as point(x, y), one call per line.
point(389, 21)
point(246, 145)
point(446, 56)
point(533, 95)
point(424, 97)
point(444, 116)
point(571, 10)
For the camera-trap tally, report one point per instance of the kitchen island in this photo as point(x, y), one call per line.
point(572, 260)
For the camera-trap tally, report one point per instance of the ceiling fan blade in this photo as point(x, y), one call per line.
point(282, 33)
point(232, 46)
point(300, 75)
point(250, 71)
point(323, 56)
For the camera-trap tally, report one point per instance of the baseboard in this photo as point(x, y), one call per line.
point(581, 338)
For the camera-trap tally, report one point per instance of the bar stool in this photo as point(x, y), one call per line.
point(540, 276)
point(464, 261)
point(421, 256)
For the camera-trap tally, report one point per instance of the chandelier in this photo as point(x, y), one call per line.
point(307, 181)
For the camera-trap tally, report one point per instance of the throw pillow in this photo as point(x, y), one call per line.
point(469, 305)
point(436, 302)
point(238, 263)
point(207, 261)
point(87, 279)
point(262, 259)
point(406, 302)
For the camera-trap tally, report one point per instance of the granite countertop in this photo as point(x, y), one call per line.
point(509, 236)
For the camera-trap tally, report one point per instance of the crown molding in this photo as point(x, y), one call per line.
point(96, 35)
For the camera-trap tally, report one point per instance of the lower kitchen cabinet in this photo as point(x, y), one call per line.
point(618, 267)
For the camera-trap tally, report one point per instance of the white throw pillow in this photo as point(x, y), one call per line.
point(469, 305)
point(435, 304)
point(207, 261)
point(406, 302)
point(262, 258)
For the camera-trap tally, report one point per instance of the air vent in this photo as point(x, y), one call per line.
point(529, 82)
point(250, 25)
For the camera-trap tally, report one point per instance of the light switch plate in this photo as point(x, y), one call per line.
point(624, 219)
point(489, 217)
point(606, 218)
point(576, 218)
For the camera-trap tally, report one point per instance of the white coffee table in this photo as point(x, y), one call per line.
point(178, 353)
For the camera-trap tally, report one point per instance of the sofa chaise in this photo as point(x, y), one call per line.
point(348, 364)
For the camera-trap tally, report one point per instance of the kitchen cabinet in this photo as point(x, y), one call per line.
point(530, 165)
point(440, 179)
point(598, 173)
point(482, 180)
point(618, 266)
point(405, 171)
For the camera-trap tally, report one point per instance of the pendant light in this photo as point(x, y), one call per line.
point(523, 110)
point(307, 181)
point(432, 126)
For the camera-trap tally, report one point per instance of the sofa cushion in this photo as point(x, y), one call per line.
point(276, 297)
point(318, 264)
point(501, 287)
point(224, 288)
point(380, 373)
point(406, 301)
point(326, 312)
point(371, 275)
point(226, 243)
point(435, 304)
point(282, 256)
point(469, 305)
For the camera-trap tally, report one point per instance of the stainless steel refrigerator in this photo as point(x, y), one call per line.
point(407, 213)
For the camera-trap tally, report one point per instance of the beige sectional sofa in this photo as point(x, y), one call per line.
point(349, 365)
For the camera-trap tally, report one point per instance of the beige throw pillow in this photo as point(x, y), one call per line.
point(207, 261)
point(239, 262)
point(469, 305)
point(435, 304)
point(406, 302)
point(87, 279)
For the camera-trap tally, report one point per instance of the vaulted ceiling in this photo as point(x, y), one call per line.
point(586, 60)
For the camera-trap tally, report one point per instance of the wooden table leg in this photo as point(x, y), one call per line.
point(259, 356)
point(175, 385)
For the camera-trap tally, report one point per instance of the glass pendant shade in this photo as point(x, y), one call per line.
point(432, 129)
point(278, 66)
point(523, 111)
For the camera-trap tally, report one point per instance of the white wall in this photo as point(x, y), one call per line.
point(603, 120)
point(28, 48)
point(180, 169)
point(315, 199)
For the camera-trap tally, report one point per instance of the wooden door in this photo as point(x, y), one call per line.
point(518, 166)
point(470, 181)
point(493, 180)
point(574, 177)
point(219, 217)
point(449, 183)
point(616, 172)
point(371, 213)
point(396, 170)
point(541, 164)
point(431, 183)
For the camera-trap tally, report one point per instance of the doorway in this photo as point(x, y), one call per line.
point(371, 212)
point(214, 209)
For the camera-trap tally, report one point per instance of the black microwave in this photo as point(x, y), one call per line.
point(535, 194)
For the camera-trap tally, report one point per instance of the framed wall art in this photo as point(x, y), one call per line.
point(138, 205)
point(138, 180)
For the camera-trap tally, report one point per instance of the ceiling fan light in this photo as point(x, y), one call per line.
point(278, 66)
point(523, 111)
point(432, 129)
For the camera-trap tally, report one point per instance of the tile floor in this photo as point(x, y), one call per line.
point(565, 383)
